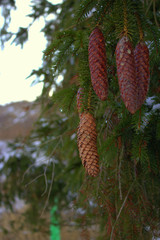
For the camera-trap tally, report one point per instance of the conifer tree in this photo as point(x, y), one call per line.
point(122, 193)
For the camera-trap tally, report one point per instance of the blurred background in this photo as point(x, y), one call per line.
point(44, 190)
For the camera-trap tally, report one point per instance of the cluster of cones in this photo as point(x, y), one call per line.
point(133, 73)
point(133, 78)
point(132, 69)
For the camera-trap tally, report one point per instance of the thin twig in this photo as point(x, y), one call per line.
point(24, 174)
point(52, 178)
point(50, 189)
point(154, 13)
point(119, 173)
point(48, 165)
point(45, 177)
point(60, 136)
point(121, 209)
point(33, 180)
point(149, 6)
point(46, 184)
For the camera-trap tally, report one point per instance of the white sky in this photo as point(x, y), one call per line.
point(16, 64)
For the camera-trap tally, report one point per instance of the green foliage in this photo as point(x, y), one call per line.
point(84, 10)
point(6, 7)
point(21, 36)
point(65, 98)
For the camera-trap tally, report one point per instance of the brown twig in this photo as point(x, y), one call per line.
point(119, 213)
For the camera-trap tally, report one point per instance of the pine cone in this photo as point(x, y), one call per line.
point(80, 99)
point(141, 56)
point(97, 63)
point(87, 140)
point(126, 73)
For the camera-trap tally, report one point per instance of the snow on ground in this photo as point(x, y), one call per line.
point(21, 114)
point(5, 151)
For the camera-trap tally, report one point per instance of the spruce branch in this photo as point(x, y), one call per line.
point(50, 189)
point(85, 7)
point(122, 206)
point(102, 15)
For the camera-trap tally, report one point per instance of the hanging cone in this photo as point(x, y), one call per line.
point(80, 99)
point(97, 63)
point(126, 73)
point(87, 144)
point(141, 56)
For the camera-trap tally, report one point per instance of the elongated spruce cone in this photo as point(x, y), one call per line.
point(126, 73)
point(141, 56)
point(97, 63)
point(87, 144)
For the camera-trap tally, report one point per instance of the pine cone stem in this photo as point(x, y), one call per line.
point(125, 18)
point(141, 35)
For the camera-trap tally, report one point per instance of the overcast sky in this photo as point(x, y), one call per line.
point(16, 64)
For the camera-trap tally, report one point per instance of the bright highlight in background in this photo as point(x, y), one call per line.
point(16, 64)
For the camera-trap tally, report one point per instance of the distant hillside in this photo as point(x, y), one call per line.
point(17, 119)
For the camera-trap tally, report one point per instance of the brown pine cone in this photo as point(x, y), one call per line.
point(126, 73)
point(87, 144)
point(141, 56)
point(97, 63)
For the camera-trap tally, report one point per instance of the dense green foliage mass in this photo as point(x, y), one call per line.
point(124, 199)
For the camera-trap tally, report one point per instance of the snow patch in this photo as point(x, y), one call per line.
point(156, 106)
point(150, 100)
point(19, 203)
point(4, 150)
point(10, 109)
point(20, 116)
point(33, 112)
point(73, 136)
